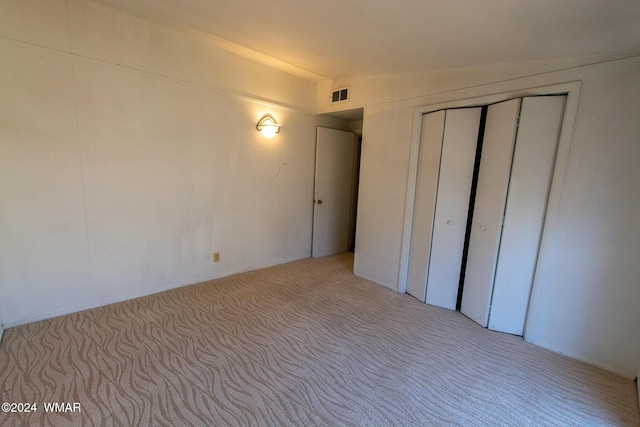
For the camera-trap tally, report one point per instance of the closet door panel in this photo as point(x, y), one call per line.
point(452, 204)
point(491, 194)
point(532, 170)
point(424, 203)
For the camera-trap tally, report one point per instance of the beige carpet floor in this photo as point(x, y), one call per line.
point(301, 344)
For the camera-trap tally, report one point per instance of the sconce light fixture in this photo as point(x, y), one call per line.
point(268, 126)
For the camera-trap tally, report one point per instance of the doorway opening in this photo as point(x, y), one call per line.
point(495, 167)
point(338, 150)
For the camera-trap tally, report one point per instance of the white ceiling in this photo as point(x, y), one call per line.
point(335, 39)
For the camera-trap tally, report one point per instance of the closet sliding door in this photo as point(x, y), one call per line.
point(443, 187)
point(425, 202)
point(532, 171)
point(491, 195)
point(452, 205)
point(511, 201)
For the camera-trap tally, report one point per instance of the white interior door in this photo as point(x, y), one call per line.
point(425, 202)
point(335, 151)
point(491, 195)
point(533, 163)
point(452, 204)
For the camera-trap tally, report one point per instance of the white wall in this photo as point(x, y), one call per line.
point(128, 155)
point(587, 296)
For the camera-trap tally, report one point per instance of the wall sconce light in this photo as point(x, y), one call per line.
point(268, 126)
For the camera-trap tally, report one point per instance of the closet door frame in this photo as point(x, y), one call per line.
point(471, 98)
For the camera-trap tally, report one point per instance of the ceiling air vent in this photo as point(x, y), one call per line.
point(340, 95)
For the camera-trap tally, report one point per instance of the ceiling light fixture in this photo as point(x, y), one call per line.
point(268, 126)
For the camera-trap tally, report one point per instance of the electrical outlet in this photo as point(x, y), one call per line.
point(216, 257)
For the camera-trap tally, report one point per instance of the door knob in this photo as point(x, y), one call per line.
point(319, 202)
point(449, 222)
point(482, 227)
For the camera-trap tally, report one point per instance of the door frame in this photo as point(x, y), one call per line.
point(572, 91)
